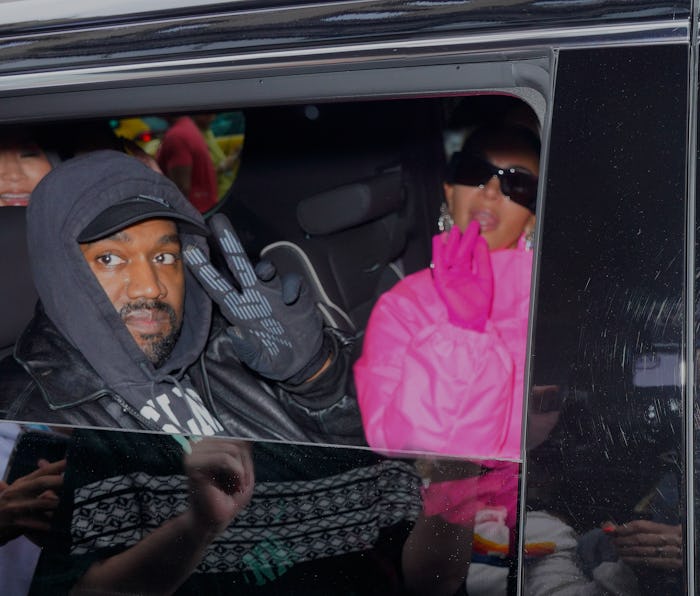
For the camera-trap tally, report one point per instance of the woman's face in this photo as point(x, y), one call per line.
point(22, 166)
point(502, 221)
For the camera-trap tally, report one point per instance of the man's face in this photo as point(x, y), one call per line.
point(141, 270)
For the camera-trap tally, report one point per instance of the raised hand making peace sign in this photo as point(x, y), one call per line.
point(276, 328)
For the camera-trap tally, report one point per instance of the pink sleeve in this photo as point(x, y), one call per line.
point(424, 384)
point(458, 501)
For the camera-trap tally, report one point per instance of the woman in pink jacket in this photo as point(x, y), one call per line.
point(442, 367)
point(444, 351)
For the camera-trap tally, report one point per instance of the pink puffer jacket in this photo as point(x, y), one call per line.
point(424, 384)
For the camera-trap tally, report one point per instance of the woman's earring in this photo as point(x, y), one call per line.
point(445, 221)
point(530, 239)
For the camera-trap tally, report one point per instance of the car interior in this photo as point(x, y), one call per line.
point(345, 194)
point(20, 296)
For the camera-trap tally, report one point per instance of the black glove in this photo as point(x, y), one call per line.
point(276, 327)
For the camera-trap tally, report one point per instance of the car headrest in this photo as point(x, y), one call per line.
point(351, 205)
point(18, 296)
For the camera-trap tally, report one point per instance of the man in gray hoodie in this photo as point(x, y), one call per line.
point(125, 334)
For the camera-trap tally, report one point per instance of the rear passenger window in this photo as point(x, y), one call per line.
point(349, 196)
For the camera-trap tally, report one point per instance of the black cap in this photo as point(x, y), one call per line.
point(134, 210)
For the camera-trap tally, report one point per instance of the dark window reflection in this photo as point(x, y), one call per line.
point(114, 512)
point(605, 468)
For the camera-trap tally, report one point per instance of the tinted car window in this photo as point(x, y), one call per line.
point(279, 172)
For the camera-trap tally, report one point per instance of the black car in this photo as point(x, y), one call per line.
point(335, 94)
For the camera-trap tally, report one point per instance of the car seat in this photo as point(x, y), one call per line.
point(345, 194)
point(347, 246)
point(18, 297)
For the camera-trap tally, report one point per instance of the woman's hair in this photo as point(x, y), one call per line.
point(501, 136)
point(43, 136)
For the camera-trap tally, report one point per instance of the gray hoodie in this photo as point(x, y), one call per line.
point(62, 205)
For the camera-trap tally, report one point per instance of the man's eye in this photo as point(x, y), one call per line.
point(110, 260)
point(167, 258)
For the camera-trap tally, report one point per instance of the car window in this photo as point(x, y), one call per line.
point(362, 212)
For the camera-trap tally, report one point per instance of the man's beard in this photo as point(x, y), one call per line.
point(157, 347)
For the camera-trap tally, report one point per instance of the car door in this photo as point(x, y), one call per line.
point(609, 478)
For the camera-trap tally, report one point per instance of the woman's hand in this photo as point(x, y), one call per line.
point(27, 505)
point(463, 276)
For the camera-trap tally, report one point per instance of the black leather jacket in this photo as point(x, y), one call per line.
point(49, 381)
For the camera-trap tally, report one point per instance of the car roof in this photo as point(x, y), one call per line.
point(40, 34)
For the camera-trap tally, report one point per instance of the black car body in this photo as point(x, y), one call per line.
point(336, 91)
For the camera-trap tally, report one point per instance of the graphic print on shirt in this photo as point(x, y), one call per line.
point(178, 413)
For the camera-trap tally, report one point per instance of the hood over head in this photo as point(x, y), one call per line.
point(64, 203)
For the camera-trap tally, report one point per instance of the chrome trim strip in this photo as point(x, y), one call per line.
point(400, 15)
point(436, 47)
point(532, 318)
point(62, 12)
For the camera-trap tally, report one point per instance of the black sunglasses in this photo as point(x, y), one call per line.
point(518, 186)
